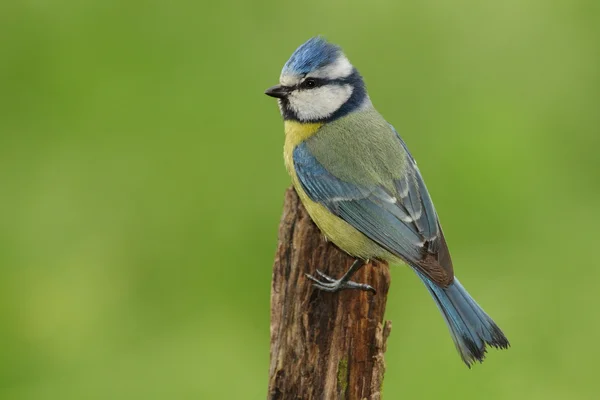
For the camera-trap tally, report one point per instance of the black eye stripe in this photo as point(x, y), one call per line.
point(356, 99)
point(311, 83)
point(342, 81)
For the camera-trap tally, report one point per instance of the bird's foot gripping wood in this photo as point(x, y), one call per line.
point(332, 285)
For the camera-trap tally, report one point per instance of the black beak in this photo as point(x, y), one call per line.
point(278, 91)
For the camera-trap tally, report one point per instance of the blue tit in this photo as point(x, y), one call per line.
point(363, 189)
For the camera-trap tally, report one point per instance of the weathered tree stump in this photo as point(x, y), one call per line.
point(323, 345)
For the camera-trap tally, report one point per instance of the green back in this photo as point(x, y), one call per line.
point(360, 148)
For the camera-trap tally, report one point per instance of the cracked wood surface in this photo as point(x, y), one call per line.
point(323, 345)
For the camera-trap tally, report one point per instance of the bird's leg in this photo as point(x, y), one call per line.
point(329, 284)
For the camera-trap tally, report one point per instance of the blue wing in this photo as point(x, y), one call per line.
point(403, 220)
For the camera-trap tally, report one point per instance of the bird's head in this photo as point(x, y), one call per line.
point(318, 84)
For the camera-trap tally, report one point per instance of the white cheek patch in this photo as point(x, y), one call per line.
point(319, 103)
point(341, 68)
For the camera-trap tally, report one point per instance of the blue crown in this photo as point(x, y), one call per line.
point(313, 54)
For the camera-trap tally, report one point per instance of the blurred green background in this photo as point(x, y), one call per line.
point(141, 184)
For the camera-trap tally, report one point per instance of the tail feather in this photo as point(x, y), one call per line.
point(471, 328)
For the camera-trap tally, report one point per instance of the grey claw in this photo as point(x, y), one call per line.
point(360, 286)
point(325, 288)
point(333, 285)
point(324, 276)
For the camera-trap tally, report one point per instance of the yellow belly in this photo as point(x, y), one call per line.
point(344, 235)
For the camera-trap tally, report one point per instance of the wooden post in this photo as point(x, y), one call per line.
point(323, 345)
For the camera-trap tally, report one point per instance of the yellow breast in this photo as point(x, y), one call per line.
point(335, 229)
point(296, 133)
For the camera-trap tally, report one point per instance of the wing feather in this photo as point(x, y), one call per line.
point(403, 222)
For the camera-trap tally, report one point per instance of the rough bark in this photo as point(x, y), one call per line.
point(323, 345)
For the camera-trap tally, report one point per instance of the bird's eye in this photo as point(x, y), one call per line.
point(310, 83)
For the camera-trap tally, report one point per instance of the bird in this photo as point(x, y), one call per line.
point(361, 186)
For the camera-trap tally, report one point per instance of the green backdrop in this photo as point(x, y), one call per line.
point(141, 184)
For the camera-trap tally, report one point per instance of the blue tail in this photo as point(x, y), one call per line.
point(471, 328)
